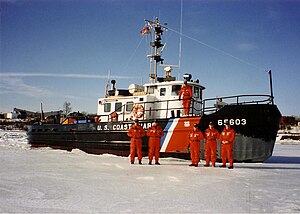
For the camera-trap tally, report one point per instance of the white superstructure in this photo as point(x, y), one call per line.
point(156, 100)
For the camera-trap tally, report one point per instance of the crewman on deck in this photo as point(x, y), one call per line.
point(154, 133)
point(136, 132)
point(227, 137)
point(195, 136)
point(186, 94)
point(211, 135)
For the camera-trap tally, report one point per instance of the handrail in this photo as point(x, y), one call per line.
point(236, 100)
point(242, 95)
point(206, 105)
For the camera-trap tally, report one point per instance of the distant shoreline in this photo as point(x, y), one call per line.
point(14, 124)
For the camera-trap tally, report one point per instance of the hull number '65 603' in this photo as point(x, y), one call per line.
point(236, 122)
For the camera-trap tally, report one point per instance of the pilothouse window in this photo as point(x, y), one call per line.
point(163, 92)
point(151, 89)
point(129, 106)
point(196, 93)
point(118, 107)
point(107, 107)
point(175, 90)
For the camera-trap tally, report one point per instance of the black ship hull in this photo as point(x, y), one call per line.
point(256, 127)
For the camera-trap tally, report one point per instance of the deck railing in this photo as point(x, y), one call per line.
point(212, 105)
point(206, 106)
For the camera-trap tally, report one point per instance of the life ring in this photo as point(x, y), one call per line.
point(97, 119)
point(114, 116)
point(138, 111)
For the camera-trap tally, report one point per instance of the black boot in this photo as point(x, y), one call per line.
point(157, 163)
point(140, 162)
point(230, 167)
point(222, 166)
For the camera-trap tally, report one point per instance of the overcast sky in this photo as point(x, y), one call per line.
point(55, 51)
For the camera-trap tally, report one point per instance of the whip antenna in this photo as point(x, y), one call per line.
point(180, 39)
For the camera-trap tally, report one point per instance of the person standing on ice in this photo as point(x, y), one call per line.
point(227, 137)
point(195, 136)
point(154, 133)
point(186, 94)
point(136, 132)
point(211, 135)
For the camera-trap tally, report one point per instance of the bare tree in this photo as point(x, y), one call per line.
point(67, 107)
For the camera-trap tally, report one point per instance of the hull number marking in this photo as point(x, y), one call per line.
point(236, 122)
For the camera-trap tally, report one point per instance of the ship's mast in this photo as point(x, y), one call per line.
point(271, 86)
point(158, 30)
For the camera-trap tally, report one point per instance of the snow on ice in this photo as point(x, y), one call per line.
point(55, 181)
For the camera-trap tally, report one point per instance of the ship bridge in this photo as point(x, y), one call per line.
point(150, 101)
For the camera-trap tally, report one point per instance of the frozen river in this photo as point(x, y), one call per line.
point(55, 181)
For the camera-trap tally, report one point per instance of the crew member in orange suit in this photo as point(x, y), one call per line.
point(154, 133)
point(195, 136)
point(227, 137)
point(211, 135)
point(136, 132)
point(186, 94)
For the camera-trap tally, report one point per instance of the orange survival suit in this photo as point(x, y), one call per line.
point(154, 133)
point(186, 94)
point(195, 136)
point(227, 137)
point(136, 132)
point(211, 135)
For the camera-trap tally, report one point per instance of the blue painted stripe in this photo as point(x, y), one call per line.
point(166, 129)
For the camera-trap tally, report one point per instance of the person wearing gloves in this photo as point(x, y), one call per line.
point(136, 132)
point(195, 135)
point(186, 94)
point(211, 135)
point(227, 137)
point(154, 133)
